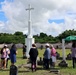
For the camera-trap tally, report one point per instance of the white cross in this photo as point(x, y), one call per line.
point(29, 22)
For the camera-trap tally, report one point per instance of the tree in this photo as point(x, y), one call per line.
point(65, 34)
point(18, 33)
point(43, 35)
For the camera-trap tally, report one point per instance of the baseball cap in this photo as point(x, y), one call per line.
point(47, 44)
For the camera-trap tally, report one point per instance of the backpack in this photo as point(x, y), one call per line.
point(53, 52)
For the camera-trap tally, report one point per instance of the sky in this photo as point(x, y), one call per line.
point(50, 16)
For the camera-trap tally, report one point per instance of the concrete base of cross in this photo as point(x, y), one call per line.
point(29, 42)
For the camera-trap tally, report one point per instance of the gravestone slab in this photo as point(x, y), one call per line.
point(13, 70)
point(57, 55)
point(55, 71)
point(63, 63)
point(69, 56)
point(40, 62)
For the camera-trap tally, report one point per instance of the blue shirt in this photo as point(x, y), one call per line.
point(47, 53)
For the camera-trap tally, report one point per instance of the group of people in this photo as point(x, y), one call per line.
point(11, 53)
point(7, 54)
point(49, 56)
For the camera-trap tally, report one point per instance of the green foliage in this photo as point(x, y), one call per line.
point(18, 33)
point(66, 33)
point(43, 35)
point(19, 37)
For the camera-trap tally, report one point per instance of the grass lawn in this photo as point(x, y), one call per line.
point(25, 71)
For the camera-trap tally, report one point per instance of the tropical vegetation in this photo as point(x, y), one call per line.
point(19, 37)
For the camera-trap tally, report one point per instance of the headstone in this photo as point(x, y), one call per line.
point(57, 55)
point(69, 56)
point(63, 63)
point(40, 62)
point(13, 70)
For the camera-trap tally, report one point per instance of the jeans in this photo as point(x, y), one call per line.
point(46, 63)
point(74, 61)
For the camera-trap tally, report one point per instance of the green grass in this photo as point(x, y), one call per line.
point(25, 71)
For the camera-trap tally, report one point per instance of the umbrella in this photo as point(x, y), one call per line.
point(70, 38)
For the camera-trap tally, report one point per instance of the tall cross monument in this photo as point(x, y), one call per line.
point(29, 40)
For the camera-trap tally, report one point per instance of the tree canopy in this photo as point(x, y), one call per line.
point(19, 37)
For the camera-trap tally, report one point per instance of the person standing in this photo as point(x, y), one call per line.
point(3, 57)
point(47, 55)
point(24, 51)
point(7, 55)
point(33, 56)
point(13, 52)
point(53, 55)
point(73, 50)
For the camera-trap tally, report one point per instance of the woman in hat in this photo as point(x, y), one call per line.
point(33, 56)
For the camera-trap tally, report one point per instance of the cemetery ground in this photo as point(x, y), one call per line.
point(40, 71)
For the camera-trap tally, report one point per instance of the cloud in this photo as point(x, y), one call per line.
point(1, 24)
point(43, 11)
point(2, 27)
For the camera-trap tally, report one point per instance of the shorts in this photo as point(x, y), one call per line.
point(2, 58)
point(53, 59)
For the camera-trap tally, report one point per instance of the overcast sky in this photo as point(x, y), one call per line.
point(49, 16)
